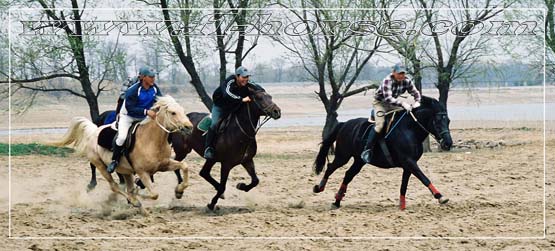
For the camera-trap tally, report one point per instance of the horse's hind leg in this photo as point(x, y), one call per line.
point(92, 183)
point(205, 173)
point(221, 189)
point(404, 183)
point(249, 166)
point(337, 162)
point(113, 185)
point(416, 171)
point(349, 175)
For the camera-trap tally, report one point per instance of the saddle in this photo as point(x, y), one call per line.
point(107, 136)
point(205, 123)
point(389, 118)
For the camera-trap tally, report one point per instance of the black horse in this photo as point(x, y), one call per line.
point(404, 143)
point(235, 145)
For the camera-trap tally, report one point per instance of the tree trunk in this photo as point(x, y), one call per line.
point(186, 60)
point(443, 88)
point(331, 122)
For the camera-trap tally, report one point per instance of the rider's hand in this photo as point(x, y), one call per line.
point(415, 105)
point(151, 113)
point(406, 106)
point(247, 99)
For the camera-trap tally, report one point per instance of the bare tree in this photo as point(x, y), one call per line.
point(332, 55)
point(453, 59)
point(550, 37)
point(41, 59)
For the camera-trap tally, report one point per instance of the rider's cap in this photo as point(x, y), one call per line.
point(399, 68)
point(242, 71)
point(147, 71)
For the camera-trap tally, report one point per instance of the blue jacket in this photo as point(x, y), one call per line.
point(138, 100)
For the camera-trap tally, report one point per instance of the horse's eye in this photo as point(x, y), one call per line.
point(173, 113)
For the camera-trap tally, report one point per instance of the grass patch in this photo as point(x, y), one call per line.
point(34, 149)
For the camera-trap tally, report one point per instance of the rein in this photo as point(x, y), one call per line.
point(164, 128)
point(259, 123)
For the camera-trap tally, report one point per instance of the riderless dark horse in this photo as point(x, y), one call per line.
point(235, 145)
point(403, 141)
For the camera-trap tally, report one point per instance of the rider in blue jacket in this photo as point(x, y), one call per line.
point(139, 98)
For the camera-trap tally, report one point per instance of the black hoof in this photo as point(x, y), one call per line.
point(178, 195)
point(90, 187)
point(317, 189)
point(242, 187)
point(139, 183)
point(212, 207)
point(336, 205)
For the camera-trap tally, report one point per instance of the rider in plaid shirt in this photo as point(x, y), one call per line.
point(385, 100)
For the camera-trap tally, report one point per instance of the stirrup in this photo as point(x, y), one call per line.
point(112, 167)
point(209, 153)
point(366, 156)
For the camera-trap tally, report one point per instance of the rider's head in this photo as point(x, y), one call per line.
point(242, 76)
point(399, 72)
point(147, 76)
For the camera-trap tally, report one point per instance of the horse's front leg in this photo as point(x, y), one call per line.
point(249, 166)
point(174, 165)
point(145, 178)
point(416, 171)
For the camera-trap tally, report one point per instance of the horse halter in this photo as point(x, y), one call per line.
point(434, 122)
point(164, 128)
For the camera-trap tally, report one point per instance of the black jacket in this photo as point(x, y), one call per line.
point(229, 94)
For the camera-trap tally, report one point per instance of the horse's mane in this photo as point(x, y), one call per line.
point(162, 101)
point(432, 103)
point(165, 100)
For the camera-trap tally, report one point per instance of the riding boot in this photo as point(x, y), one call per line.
point(116, 155)
point(370, 142)
point(210, 152)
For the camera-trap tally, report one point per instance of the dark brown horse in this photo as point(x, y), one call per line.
point(235, 145)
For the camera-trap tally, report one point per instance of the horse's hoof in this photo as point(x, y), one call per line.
point(242, 186)
point(317, 189)
point(137, 203)
point(443, 200)
point(222, 196)
point(335, 205)
point(90, 187)
point(211, 207)
point(178, 195)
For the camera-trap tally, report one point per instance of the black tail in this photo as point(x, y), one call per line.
point(325, 148)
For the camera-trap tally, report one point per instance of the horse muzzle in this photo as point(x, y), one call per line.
point(275, 113)
point(446, 142)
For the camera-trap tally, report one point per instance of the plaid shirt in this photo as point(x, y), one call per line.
point(390, 89)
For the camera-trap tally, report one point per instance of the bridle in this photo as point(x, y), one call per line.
point(434, 123)
point(173, 124)
point(255, 129)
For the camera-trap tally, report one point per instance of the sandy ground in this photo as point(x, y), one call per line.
point(496, 199)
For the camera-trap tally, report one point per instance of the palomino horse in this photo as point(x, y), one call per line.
point(404, 142)
point(151, 153)
point(236, 145)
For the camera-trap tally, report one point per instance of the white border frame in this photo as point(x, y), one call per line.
point(273, 237)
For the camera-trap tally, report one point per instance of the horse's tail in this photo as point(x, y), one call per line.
point(325, 148)
point(80, 132)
